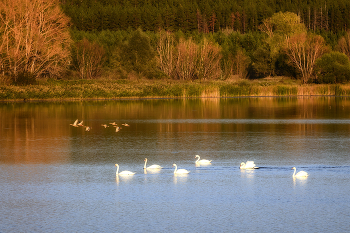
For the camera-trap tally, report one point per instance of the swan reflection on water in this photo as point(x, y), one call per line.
point(301, 180)
point(151, 171)
point(247, 173)
point(124, 179)
point(180, 178)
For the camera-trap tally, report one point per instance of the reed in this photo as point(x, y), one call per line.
point(111, 89)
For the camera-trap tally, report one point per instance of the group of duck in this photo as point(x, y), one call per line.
point(247, 165)
point(88, 128)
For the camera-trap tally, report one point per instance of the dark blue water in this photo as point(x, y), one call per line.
point(59, 178)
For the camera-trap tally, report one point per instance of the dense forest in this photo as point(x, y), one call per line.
point(232, 35)
point(204, 16)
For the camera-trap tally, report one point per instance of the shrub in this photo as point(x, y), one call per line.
point(333, 67)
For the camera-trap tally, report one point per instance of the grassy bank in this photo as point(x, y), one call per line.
point(111, 89)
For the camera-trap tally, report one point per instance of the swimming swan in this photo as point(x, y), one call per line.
point(248, 165)
point(123, 173)
point(202, 161)
point(180, 171)
point(299, 174)
point(154, 166)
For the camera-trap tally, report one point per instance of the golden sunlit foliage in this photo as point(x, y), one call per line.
point(34, 39)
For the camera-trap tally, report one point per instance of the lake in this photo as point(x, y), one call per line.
point(58, 178)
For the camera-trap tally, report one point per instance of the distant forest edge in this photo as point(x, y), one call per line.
point(202, 16)
point(186, 41)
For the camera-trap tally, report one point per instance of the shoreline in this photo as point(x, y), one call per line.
point(159, 98)
point(96, 90)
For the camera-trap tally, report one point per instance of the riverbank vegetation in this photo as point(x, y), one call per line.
point(128, 48)
point(126, 89)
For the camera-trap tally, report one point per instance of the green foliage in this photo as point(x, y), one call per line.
point(283, 66)
point(138, 54)
point(286, 24)
point(241, 16)
point(333, 67)
point(263, 63)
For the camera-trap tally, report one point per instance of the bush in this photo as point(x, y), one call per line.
point(333, 67)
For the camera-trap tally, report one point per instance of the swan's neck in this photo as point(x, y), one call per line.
point(198, 158)
point(117, 169)
point(175, 169)
point(144, 167)
point(294, 171)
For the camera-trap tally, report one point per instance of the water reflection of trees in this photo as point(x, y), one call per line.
point(43, 127)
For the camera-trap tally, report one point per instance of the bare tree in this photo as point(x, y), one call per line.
point(241, 63)
point(34, 38)
point(344, 44)
point(186, 60)
point(236, 65)
point(165, 49)
point(89, 59)
point(208, 61)
point(303, 50)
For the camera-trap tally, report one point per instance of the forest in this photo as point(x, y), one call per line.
point(202, 16)
point(175, 39)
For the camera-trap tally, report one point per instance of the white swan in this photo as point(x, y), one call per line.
point(154, 166)
point(202, 161)
point(123, 173)
point(180, 171)
point(248, 165)
point(299, 174)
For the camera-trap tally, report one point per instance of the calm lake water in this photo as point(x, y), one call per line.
point(59, 178)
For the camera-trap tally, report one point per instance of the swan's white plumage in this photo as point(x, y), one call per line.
point(154, 166)
point(202, 161)
point(180, 171)
point(248, 165)
point(123, 173)
point(299, 174)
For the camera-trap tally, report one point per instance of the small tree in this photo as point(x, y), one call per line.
point(303, 50)
point(88, 59)
point(279, 27)
point(333, 67)
point(263, 63)
point(138, 54)
point(165, 50)
point(34, 38)
point(186, 60)
point(208, 61)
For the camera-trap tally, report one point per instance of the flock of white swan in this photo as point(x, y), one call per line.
point(247, 165)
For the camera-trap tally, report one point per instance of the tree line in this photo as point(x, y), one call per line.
point(205, 15)
point(38, 39)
